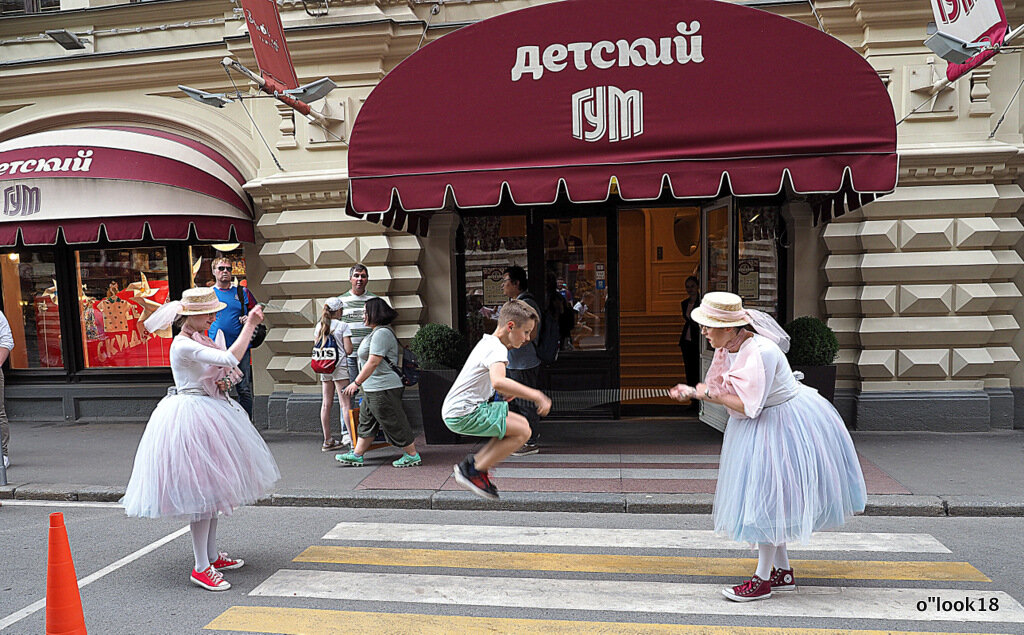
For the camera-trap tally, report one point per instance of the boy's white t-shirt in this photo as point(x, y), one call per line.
point(473, 385)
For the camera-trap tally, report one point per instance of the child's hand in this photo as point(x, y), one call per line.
point(544, 405)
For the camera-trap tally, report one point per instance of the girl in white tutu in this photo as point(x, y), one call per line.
point(788, 466)
point(200, 456)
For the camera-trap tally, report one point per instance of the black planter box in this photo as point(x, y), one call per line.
point(821, 378)
point(434, 387)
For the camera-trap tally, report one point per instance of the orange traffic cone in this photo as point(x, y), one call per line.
point(63, 603)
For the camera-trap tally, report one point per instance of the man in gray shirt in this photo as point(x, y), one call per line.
point(523, 363)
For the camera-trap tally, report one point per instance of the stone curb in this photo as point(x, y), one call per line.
point(962, 505)
point(904, 505)
point(577, 502)
point(669, 503)
point(398, 499)
point(532, 502)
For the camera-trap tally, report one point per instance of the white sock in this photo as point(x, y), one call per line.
point(211, 543)
point(200, 535)
point(781, 557)
point(765, 558)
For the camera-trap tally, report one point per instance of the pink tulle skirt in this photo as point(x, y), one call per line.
point(199, 456)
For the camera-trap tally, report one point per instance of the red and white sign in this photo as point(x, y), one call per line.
point(123, 179)
point(968, 20)
point(267, 35)
point(971, 21)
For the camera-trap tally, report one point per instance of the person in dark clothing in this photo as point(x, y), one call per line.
point(689, 338)
point(523, 363)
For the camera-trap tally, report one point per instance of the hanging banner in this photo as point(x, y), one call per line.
point(970, 21)
point(267, 35)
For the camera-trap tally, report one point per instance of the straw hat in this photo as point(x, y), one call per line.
point(200, 301)
point(719, 309)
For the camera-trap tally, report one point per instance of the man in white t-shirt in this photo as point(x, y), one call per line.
point(468, 409)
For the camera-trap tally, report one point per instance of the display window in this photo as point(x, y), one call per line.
point(31, 306)
point(201, 258)
point(576, 256)
point(492, 244)
point(75, 309)
point(117, 290)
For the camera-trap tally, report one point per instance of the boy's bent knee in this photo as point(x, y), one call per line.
point(517, 426)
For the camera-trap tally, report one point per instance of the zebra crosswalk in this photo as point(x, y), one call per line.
point(538, 571)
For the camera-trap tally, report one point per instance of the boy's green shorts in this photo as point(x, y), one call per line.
point(487, 420)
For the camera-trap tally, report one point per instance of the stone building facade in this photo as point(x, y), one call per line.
point(922, 286)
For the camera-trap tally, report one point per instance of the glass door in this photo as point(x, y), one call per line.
point(716, 275)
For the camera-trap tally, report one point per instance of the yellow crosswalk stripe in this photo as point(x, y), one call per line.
point(654, 565)
point(289, 621)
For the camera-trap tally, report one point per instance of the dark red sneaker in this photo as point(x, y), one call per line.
point(477, 482)
point(782, 580)
point(753, 589)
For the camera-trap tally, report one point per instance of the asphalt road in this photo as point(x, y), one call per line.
point(312, 570)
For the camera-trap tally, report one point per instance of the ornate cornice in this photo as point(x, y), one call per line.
point(983, 162)
point(300, 190)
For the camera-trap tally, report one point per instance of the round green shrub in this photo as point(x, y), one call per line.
point(812, 342)
point(439, 346)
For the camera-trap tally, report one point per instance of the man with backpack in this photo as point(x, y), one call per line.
point(523, 362)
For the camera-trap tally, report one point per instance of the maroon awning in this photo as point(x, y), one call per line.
point(594, 96)
point(122, 180)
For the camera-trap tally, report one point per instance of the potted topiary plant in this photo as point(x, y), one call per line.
point(441, 352)
point(813, 348)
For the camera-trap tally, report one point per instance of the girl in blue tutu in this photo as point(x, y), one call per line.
point(788, 466)
point(199, 456)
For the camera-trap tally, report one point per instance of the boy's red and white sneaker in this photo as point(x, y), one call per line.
point(210, 579)
point(753, 589)
point(224, 562)
point(783, 580)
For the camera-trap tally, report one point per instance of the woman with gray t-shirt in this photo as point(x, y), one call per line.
point(382, 390)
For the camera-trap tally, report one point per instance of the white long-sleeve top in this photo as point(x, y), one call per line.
point(190, 360)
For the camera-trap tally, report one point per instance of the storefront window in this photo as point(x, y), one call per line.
point(719, 261)
point(31, 306)
point(492, 244)
point(576, 255)
point(201, 258)
point(117, 290)
point(757, 264)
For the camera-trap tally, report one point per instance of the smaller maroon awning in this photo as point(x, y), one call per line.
point(592, 97)
point(122, 180)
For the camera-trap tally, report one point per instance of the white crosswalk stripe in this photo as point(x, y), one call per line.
point(618, 538)
point(625, 596)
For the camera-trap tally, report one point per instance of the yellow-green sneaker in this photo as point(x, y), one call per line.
point(408, 460)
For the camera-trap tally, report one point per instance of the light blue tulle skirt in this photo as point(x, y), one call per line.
point(198, 457)
point(789, 472)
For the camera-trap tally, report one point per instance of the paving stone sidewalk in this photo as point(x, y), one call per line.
point(637, 465)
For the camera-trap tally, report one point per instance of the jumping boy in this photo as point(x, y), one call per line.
point(468, 409)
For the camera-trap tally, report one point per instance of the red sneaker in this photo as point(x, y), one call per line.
point(475, 481)
point(753, 589)
point(782, 580)
point(210, 579)
point(223, 562)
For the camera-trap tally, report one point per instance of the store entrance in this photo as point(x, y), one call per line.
point(659, 251)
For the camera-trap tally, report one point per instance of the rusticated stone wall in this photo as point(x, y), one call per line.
point(922, 297)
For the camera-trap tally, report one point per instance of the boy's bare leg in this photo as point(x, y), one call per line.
point(517, 432)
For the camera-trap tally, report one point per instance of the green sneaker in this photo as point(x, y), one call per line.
point(349, 458)
point(407, 460)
